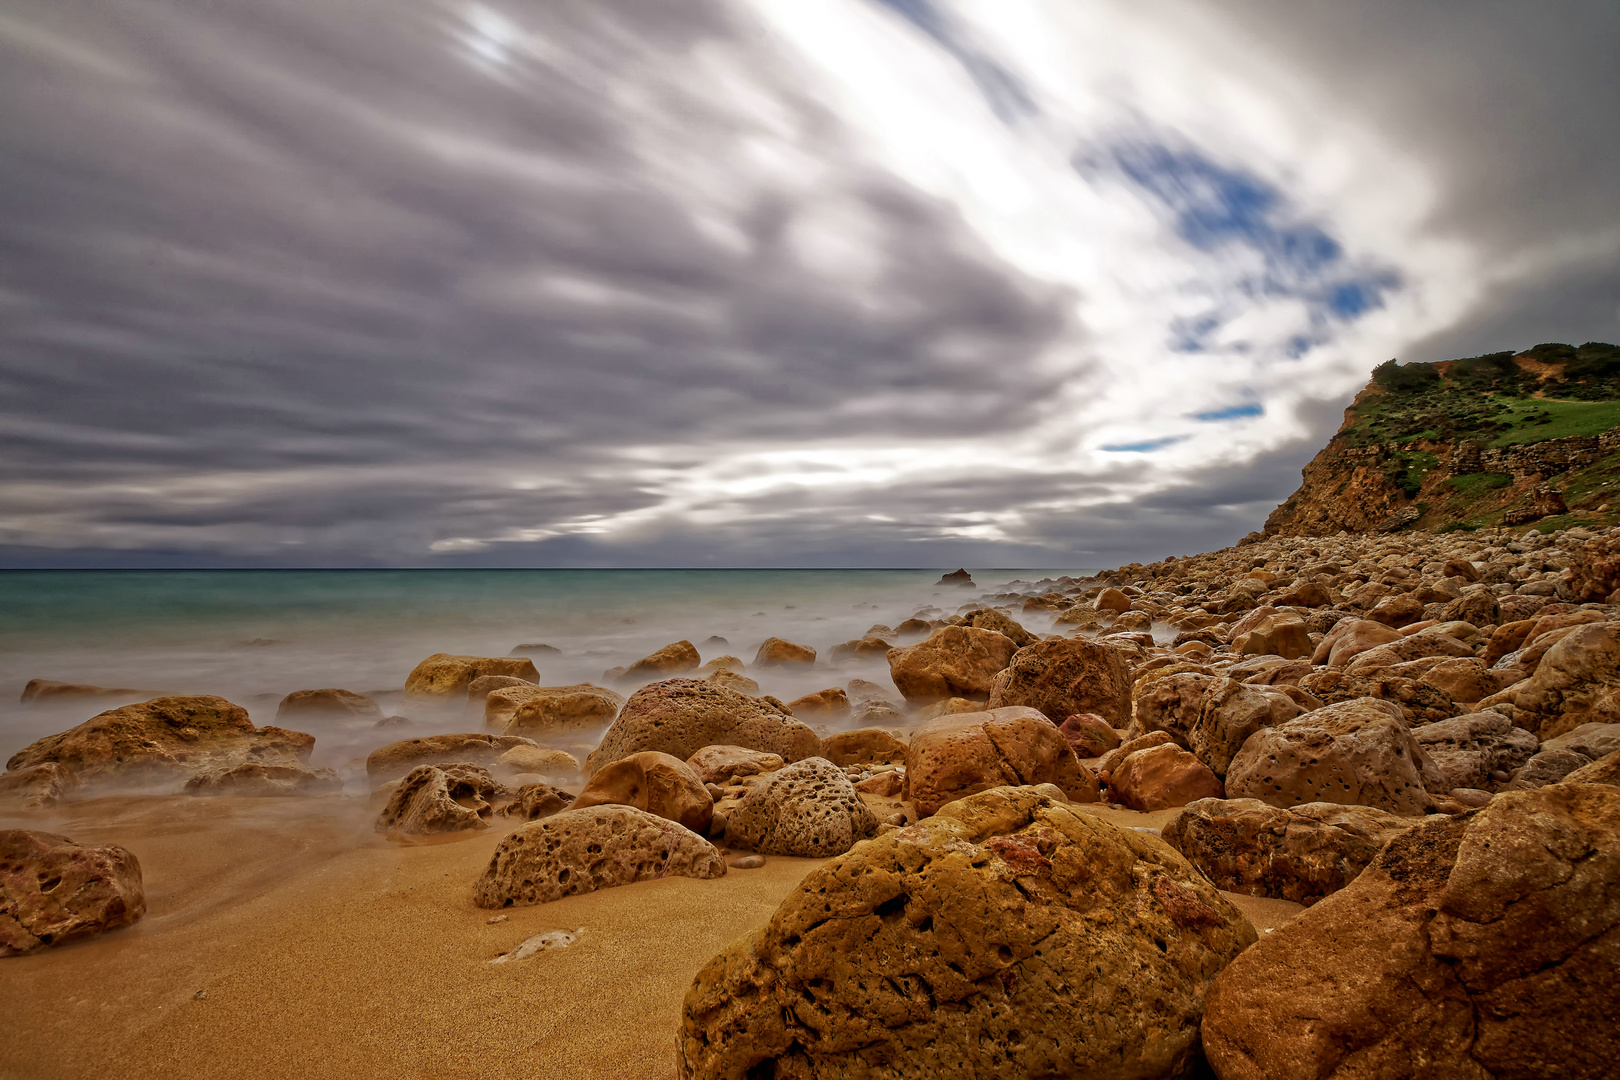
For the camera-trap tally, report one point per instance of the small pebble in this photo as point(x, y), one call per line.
point(493, 919)
point(747, 862)
point(199, 995)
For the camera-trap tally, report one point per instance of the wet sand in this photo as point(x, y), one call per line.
point(285, 939)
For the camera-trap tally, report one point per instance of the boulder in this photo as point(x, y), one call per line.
point(1594, 573)
point(1301, 854)
point(1358, 752)
point(654, 782)
point(1112, 600)
point(955, 661)
point(1088, 734)
point(1549, 766)
point(1110, 761)
point(1411, 647)
point(256, 778)
point(543, 710)
point(865, 648)
point(1420, 702)
point(958, 577)
point(37, 787)
point(809, 808)
point(597, 847)
point(863, 746)
point(1479, 946)
point(39, 691)
point(775, 652)
point(1398, 610)
point(327, 703)
point(529, 758)
point(1306, 594)
point(531, 802)
point(723, 764)
point(990, 619)
point(1350, 638)
point(1577, 682)
point(53, 890)
point(1477, 606)
point(398, 758)
point(1469, 749)
point(479, 689)
point(1161, 777)
point(443, 678)
point(1210, 716)
point(1066, 676)
point(955, 756)
point(1007, 936)
point(1281, 634)
point(733, 680)
point(440, 799)
point(677, 658)
point(1605, 770)
point(679, 717)
point(165, 739)
point(831, 704)
point(1463, 679)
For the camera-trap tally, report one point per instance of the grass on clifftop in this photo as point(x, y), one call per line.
point(1535, 419)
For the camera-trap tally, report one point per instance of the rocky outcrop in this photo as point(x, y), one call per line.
point(1006, 936)
point(954, 661)
point(443, 678)
point(440, 799)
point(809, 808)
point(679, 717)
point(954, 756)
point(53, 890)
point(398, 758)
point(1481, 750)
point(1064, 677)
point(654, 782)
point(327, 703)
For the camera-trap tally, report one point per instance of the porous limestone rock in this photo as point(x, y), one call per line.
point(479, 689)
point(329, 702)
point(1605, 770)
point(1350, 638)
point(1577, 682)
point(531, 802)
point(535, 759)
point(1419, 702)
point(808, 808)
point(36, 787)
point(1112, 600)
point(1469, 749)
point(543, 710)
point(1110, 761)
point(256, 778)
point(829, 704)
point(863, 746)
point(733, 680)
point(1067, 676)
point(1161, 777)
point(598, 847)
point(722, 764)
point(679, 717)
point(398, 758)
point(1007, 936)
point(1463, 679)
point(439, 799)
point(443, 677)
point(775, 652)
point(1594, 573)
point(1089, 734)
point(676, 658)
point(1211, 716)
point(954, 661)
point(955, 756)
point(990, 619)
point(654, 782)
point(1281, 634)
point(53, 890)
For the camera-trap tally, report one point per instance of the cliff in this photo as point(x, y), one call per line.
point(1503, 439)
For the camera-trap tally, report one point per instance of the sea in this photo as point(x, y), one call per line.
point(253, 636)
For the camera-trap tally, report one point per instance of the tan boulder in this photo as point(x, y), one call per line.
point(1282, 634)
point(679, 717)
point(1416, 646)
point(444, 677)
point(1507, 638)
point(1064, 677)
point(479, 689)
point(597, 847)
point(36, 787)
point(329, 702)
point(1089, 734)
point(724, 663)
point(1007, 936)
point(399, 758)
point(1350, 638)
point(808, 808)
point(955, 756)
point(1464, 679)
point(955, 661)
point(1420, 702)
point(528, 758)
point(256, 778)
point(654, 782)
point(865, 648)
point(733, 680)
point(948, 707)
point(439, 799)
point(1605, 770)
point(1594, 573)
point(1480, 946)
point(38, 691)
point(1471, 751)
point(775, 652)
point(1577, 682)
point(990, 619)
point(1161, 777)
point(53, 890)
point(543, 710)
point(531, 802)
point(830, 704)
point(1397, 610)
point(1110, 761)
point(1211, 716)
point(1477, 606)
point(723, 764)
point(863, 746)
point(1112, 600)
point(677, 658)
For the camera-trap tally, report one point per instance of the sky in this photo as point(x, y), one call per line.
point(1015, 283)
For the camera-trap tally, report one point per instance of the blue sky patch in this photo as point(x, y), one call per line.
point(1233, 412)
point(1144, 447)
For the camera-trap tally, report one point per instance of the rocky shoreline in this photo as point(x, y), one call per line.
point(1033, 854)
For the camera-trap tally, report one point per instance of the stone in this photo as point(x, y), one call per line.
point(733, 680)
point(828, 704)
point(546, 710)
point(1463, 679)
point(479, 689)
point(38, 691)
point(535, 649)
point(775, 652)
point(808, 809)
point(439, 799)
point(327, 703)
point(723, 764)
point(889, 785)
point(1210, 716)
point(443, 677)
point(1477, 946)
point(1067, 676)
point(654, 782)
point(53, 890)
point(679, 717)
point(597, 847)
point(1577, 682)
point(1110, 761)
point(1477, 606)
point(990, 619)
point(1088, 734)
point(1396, 610)
point(955, 756)
point(1112, 600)
point(528, 758)
point(256, 778)
point(1420, 702)
point(37, 787)
point(1161, 777)
point(957, 577)
point(1594, 573)
point(1007, 936)
point(863, 746)
point(747, 862)
point(166, 738)
point(1549, 766)
point(1301, 854)
point(531, 802)
point(1605, 770)
point(865, 648)
point(1468, 749)
point(399, 758)
point(724, 663)
point(1358, 752)
point(677, 658)
point(1412, 647)
point(954, 661)
point(1282, 634)
point(1350, 638)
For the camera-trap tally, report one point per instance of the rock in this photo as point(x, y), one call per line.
point(1110, 761)
point(255, 778)
point(679, 717)
point(1396, 610)
point(861, 649)
point(1008, 936)
point(1112, 600)
point(1161, 777)
point(733, 680)
point(808, 808)
point(398, 758)
point(889, 785)
point(723, 764)
point(1282, 634)
point(1468, 749)
point(1577, 682)
point(531, 802)
point(1357, 752)
point(535, 649)
point(747, 862)
point(1307, 594)
point(823, 704)
point(1549, 766)
point(1216, 722)
point(37, 787)
point(439, 799)
point(1420, 702)
point(1463, 679)
point(955, 756)
point(774, 652)
point(1480, 946)
point(1350, 638)
point(479, 689)
point(1301, 854)
point(533, 759)
point(990, 619)
point(444, 678)
point(164, 739)
point(1594, 573)
point(955, 661)
point(1477, 607)
point(654, 782)
point(39, 691)
point(1605, 770)
point(863, 746)
point(326, 703)
point(1089, 734)
point(1064, 677)
point(1414, 647)
point(538, 711)
point(53, 890)
point(677, 658)
point(598, 847)
point(957, 577)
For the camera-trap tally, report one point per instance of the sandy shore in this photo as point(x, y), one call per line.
point(285, 939)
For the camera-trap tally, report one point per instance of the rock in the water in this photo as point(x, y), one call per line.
point(36, 787)
point(955, 661)
point(1577, 682)
point(829, 704)
point(42, 690)
point(808, 808)
point(1089, 734)
point(676, 658)
point(1480, 946)
point(863, 746)
point(53, 890)
point(775, 652)
point(733, 680)
point(439, 799)
point(1356, 752)
point(479, 689)
point(398, 758)
point(599, 847)
point(534, 759)
point(1301, 854)
point(543, 710)
point(654, 782)
point(330, 702)
point(163, 739)
point(1161, 777)
point(1112, 600)
point(957, 577)
point(443, 677)
point(531, 802)
point(679, 717)
point(1064, 677)
point(722, 764)
point(955, 756)
point(1469, 749)
point(254, 778)
point(1007, 936)
point(991, 619)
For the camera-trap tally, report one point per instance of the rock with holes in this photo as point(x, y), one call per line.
point(597, 847)
point(829, 704)
point(955, 661)
point(443, 678)
point(539, 711)
point(1577, 682)
point(1474, 947)
point(809, 808)
point(654, 782)
point(775, 652)
point(863, 746)
point(327, 703)
point(1009, 935)
point(1605, 770)
point(1211, 716)
point(1067, 676)
point(991, 619)
point(36, 787)
point(1089, 734)
point(53, 890)
point(1470, 750)
point(399, 758)
point(722, 764)
point(957, 755)
point(253, 778)
point(440, 799)
point(679, 717)
point(531, 802)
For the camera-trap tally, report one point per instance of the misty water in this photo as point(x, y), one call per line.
point(254, 636)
